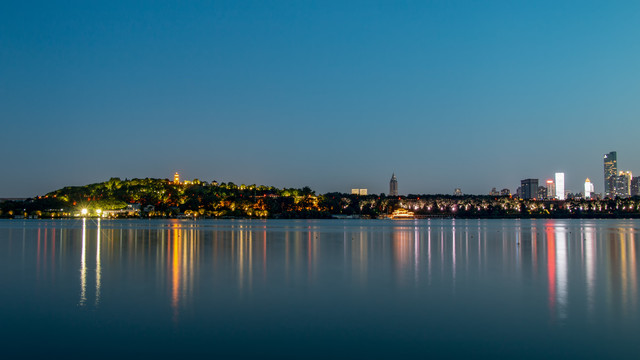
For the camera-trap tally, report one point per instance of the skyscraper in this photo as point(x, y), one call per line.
point(635, 186)
point(529, 188)
point(588, 189)
point(393, 185)
point(551, 189)
point(610, 172)
point(560, 186)
point(622, 184)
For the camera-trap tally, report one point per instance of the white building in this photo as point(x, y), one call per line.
point(588, 189)
point(560, 186)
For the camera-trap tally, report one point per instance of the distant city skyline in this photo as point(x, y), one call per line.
point(330, 95)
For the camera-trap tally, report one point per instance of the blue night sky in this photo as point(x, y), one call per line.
point(332, 95)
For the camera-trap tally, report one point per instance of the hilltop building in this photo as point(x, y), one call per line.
point(393, 185)
point(610, 172)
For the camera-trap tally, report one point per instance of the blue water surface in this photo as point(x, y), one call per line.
point(440, 288)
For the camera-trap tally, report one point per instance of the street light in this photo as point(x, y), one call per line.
point(84, 212)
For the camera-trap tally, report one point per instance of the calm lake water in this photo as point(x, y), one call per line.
point(321, 288)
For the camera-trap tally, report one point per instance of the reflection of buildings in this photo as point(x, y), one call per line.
point(584, 266)
point(83, 265)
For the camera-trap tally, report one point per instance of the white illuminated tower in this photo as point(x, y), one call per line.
point(588, 189)
point(560, 186)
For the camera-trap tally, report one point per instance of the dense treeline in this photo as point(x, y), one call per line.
point(161, 198)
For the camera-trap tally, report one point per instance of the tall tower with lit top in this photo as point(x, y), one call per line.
point(393, 185)
point(176, 178)
point(610, 172)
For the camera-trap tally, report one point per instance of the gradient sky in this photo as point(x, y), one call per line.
point(332, 95)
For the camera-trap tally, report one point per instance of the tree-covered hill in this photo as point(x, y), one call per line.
point(162, 198)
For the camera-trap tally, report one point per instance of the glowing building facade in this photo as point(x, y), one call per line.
point(623, 184)
point(176, 178)
point(358, 191)
point(560, 186)
point(551, 189)
point(393, 186)
point(588, 189)
point(610, 173)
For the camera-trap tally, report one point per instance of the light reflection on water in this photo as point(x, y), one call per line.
point(576, 274)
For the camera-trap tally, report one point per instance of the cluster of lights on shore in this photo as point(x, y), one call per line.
point(85, 212)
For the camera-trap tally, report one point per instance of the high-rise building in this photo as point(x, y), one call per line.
point(635, 186)
point(610, 172)
point(494, 192)
point(560, 195)
point(505, 192)
point(393, 185)
point(623, 184)
point(542, 192)
point(588, 189)
point(551, 189)
point(529, 188)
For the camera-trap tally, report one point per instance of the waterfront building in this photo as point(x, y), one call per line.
point(551, 190)
point(402, 214)
point(457, 192)
point(610, 172)
point(560, 194)
point(635, 186)
point(623, 184)
point(529, 188)
point(542, 192)
point(393, 185)
point(588, 189)
point(358, 191)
